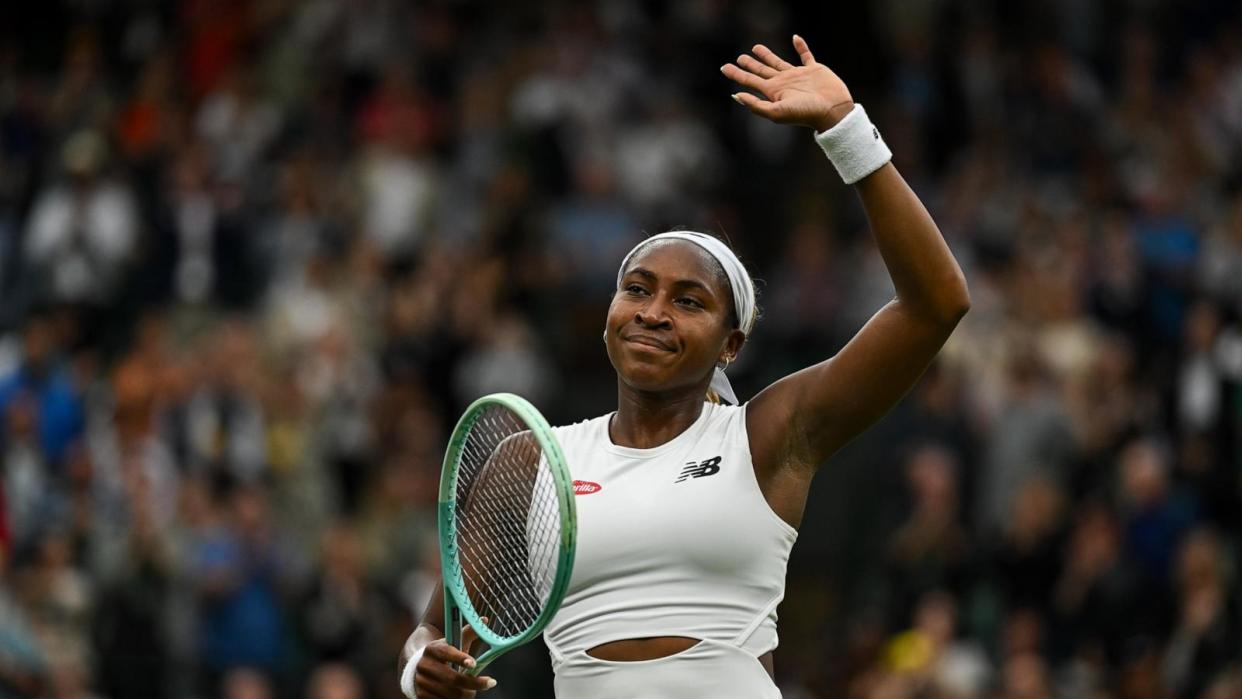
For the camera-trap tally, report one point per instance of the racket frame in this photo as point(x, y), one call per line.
point(458, 609)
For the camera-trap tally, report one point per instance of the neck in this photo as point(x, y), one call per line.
point(647, 420)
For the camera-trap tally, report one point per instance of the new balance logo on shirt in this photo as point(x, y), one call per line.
point(699, 469)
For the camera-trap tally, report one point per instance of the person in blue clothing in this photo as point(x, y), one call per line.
point(44, 379)
point(237, 568)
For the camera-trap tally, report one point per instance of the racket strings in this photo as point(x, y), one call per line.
point(508, 522)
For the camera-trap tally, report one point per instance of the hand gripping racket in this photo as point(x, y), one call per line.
point(507, 525)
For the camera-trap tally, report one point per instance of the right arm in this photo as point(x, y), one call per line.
point(434, 676)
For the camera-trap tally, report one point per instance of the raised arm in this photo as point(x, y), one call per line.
point(804, 418)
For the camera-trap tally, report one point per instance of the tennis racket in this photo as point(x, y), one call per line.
point(507, 526)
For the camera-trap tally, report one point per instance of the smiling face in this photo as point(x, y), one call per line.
point(672, 319)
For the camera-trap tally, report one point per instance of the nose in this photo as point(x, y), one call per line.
point(653, 314)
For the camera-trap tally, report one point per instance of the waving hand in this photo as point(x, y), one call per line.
point(810, 94)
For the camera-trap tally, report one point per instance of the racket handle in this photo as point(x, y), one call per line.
point(452, 619)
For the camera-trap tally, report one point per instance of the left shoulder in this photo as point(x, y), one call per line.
point(768, 418)
point(721, 416)
point(734, 424)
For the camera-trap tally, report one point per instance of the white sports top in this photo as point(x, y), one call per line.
point(676, 540)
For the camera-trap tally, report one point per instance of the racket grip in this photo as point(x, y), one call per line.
point(452, 619)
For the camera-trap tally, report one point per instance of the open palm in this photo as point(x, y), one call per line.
point(809, 94)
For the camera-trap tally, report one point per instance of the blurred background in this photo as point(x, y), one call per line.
point(256, 257)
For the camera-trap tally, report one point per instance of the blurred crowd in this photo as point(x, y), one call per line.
point(257, 255)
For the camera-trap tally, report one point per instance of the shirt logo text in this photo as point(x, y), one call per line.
point(699, 469)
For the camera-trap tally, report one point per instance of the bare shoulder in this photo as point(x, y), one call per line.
point(782, 480)
point(770, 419)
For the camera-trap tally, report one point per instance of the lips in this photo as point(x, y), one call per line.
point(649, 341)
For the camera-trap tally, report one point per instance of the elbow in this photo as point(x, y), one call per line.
point(943, 305)
point(954, 306)
point(950, 309)
point(962, 307)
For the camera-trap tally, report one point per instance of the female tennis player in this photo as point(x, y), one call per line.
point(688, 508)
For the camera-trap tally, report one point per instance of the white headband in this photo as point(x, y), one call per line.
point(739, 283)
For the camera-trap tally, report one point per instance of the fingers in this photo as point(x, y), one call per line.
point(469, 637)
point(804, 51)
point(749, 63)
point(444, 653)
point(761, 107)
point(447, 676)
point(435, 677)
point(742, 77)
point(427, 688)
point(771, 59)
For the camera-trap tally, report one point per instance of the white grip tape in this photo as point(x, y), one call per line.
point(854, 146)
point(407, 675)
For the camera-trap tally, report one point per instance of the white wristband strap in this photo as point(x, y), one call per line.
point(407, 675)
point(854, 146)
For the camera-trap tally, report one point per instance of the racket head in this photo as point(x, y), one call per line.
point(501, 456)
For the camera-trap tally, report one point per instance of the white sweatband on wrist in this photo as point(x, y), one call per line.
point(854, 146)
point(407, 675)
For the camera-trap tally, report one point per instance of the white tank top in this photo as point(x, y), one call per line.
point(676, 540)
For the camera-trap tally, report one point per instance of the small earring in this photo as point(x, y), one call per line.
point(605, 338)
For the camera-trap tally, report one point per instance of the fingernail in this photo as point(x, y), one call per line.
point(722, 68)
point(490, 683)
point(737, 98)
point(469, 662)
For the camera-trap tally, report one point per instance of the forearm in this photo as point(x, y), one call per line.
point(929, 283)
point(424, 634)
point(927, 278)
point(430, 626)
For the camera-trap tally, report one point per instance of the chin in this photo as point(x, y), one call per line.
point(643, 378)
point(649, 379)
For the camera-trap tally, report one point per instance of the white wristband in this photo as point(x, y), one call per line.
point(854, 146)
point(407, 675)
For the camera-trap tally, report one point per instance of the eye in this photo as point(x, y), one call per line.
point(688, 301)
point(634, 289)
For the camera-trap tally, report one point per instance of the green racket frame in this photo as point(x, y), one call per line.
point(457, 605)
